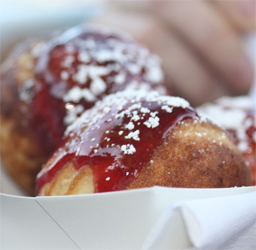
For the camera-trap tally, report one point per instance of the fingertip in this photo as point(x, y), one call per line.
point(248, 10)
point(248, 7)
point(241, 13)
point(242, 76)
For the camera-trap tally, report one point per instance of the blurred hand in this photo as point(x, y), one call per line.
point(200, 42)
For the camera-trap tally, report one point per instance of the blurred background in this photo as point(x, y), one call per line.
point(20, 19)
point(207, 46)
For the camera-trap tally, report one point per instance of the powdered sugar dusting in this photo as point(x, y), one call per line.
point(130, 126)
point(98, 86)
point(128, 149)
point(99, 61)
point(134, 135)
point(152, 122)
point(232, 113)
point(127, 105)
point(76, 94)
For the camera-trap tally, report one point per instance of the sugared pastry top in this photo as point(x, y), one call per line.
point(83, 65)
point(47, 83)
point(118, 136)
point(238, 116)
point(135, 139)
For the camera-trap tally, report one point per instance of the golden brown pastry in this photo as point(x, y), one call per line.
point(46, 85)
point(21, 153)
point(237, 116)
point(134, 139)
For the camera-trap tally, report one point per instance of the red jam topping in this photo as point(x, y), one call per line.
point(117, 138)
point(82, 66)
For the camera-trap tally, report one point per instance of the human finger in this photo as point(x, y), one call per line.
point(242, 13)
point(188, 75)
point(209, 34)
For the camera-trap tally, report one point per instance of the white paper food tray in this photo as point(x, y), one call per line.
point(120, 220)
point(114, 220)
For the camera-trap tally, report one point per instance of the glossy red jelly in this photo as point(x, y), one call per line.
point(80, 67)
point(119, 144)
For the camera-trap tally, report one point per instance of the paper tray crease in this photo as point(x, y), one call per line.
point(150, 218)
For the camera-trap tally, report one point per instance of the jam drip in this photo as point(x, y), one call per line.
point(80, 67)
point(117, 146)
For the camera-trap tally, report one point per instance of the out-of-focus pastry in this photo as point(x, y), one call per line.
point(134, 139)
point(21, 152)
point(238, 116)
point(46, 85)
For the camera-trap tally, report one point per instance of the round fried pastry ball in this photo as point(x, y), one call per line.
point(82, 66)
point(237, 116)
point(47, 84)
point(21, 153)
point(134, 139)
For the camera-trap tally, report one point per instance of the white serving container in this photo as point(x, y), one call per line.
point(114, 220)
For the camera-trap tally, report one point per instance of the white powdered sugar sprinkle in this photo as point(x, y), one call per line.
point(231, 113)
point(128, 105)
point(76, 94)
point(128, 149)
point(152, 122)
point(133, 135)
point(95, 65)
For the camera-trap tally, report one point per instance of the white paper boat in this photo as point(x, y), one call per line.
point(115, 220)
